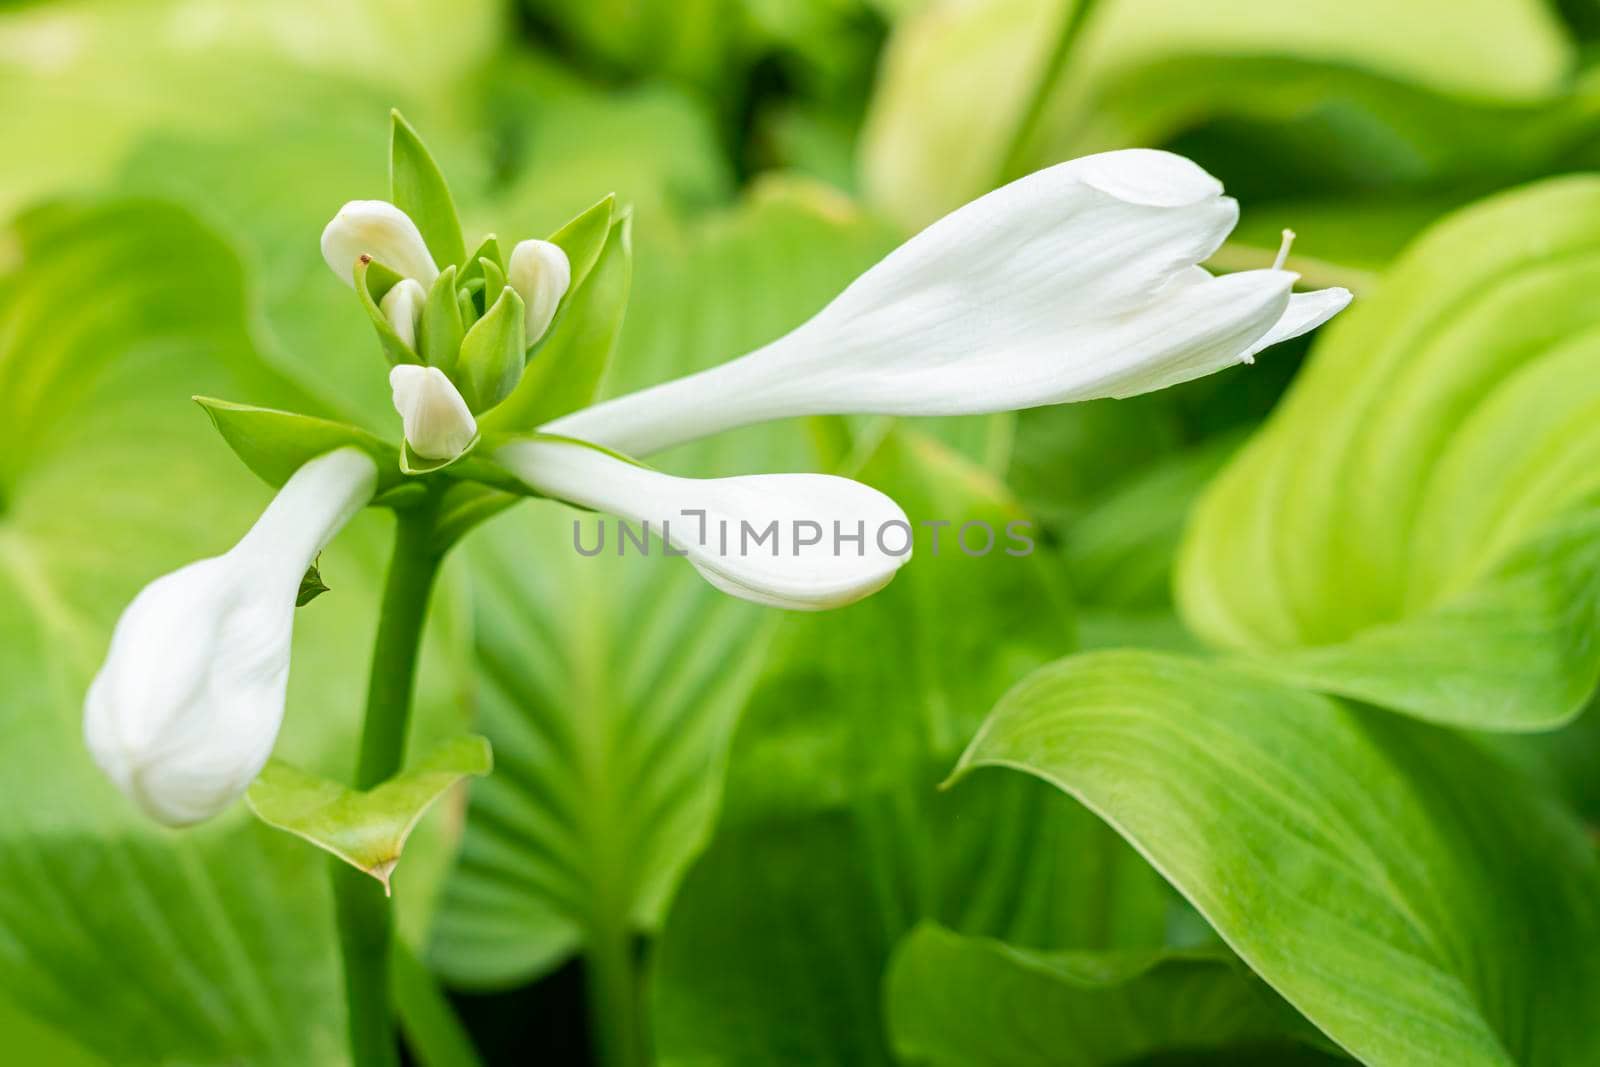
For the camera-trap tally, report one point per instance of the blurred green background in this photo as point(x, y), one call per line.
point(166, 168)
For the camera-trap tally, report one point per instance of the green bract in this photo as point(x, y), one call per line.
point(367, 829)
point(1416, 525)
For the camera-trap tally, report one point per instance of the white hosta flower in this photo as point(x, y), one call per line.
point(378, 229)
point(402, 307)
point(185, 711)
point(1077, 282)
point(540, 273)
point(437, 422)
point(807, 542)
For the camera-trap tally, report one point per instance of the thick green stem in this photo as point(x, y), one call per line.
point(365, 924)
point(613, 985)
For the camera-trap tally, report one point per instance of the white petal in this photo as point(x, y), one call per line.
point(186, 709)
point(402, 306)
point(540, 273)
point(437, 422)
point(1305, 313)
point(780, 569)
point(378, 229)
point(1079, 281)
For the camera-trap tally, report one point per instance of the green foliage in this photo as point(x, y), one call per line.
point(957, 1001)
point(1415, 526)
point(110, 478)
point(1387, 878)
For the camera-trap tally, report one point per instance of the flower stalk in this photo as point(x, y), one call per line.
point(363, 911)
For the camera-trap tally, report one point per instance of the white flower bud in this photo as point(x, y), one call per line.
point(438, 424)
point(540, 273)
point(378, 229)
point(186, 709)
point(402, 306)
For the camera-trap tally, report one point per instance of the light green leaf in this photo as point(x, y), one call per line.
point(1396, 885)
point(1415, 527)
point(417, 188)
point(833, 841)
point(567, 366)
point(275, 444)
point(956, 1001)
point(215, 944)
point(492, 353)
point(413, 464)
point(367, 828)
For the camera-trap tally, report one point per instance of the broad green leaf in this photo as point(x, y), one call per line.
point(1396, 885)
point(214, 944)
point(275, 444)
point(492, 353)
point(833, 840)
point(365, 828)
point(565, 371)
point(1347, 94)
point(417, 188)
point(956, 1001)
point(609, 686)
point(1415, 527)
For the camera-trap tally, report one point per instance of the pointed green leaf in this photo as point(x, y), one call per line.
point(961, 1001)
point(367, 830)
point(443, 326)
point(583, 238)
point(492, 354)
point(373, 282)
point(494, 279)
point(275, 444)
point(565, 371)
point(488, 248)
point(1414, 527)
point(417, 188)
point(1388, 878)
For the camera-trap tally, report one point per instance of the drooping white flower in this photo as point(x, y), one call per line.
point(402, 307)
point(186, 709)
point(540, 273)
point(807, 542)
point(378, 229)
point(436, 420)
point(1073, 283)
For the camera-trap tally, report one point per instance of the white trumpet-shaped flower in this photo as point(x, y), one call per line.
point(540, 273)
point(378, 229)
point(807, 542)
point(185, 711)
point(402, 307)
point(1076, 282)
point(436, 420)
